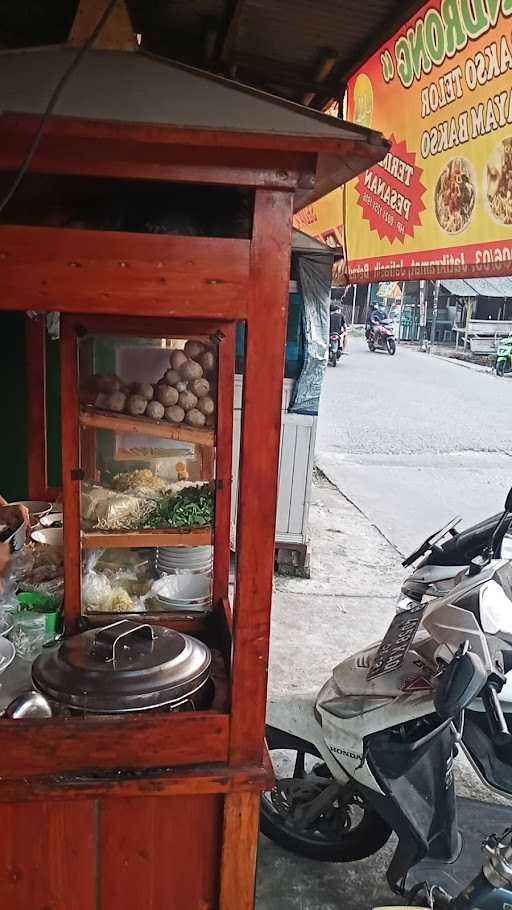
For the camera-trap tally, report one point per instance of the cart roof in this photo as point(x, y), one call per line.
point(137, 88)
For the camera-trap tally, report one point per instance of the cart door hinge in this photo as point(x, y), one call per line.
point(77, 474)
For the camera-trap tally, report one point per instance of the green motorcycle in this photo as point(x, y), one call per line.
point(504, 357)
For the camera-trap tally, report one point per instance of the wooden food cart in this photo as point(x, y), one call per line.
point(141, 811)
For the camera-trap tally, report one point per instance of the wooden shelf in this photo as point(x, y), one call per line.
point(124, 423)
point(123, 540)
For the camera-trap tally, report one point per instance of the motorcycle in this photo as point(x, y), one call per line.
point(504, 357)
point(335, 348)
point(447, 553)
point(374, 752)
point(381, 337)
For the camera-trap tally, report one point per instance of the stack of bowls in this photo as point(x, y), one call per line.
point(184, 592)
point(177, 560)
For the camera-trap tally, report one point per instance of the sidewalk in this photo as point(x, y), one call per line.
point(348, 602)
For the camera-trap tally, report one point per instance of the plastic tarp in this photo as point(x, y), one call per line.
point(314, 278)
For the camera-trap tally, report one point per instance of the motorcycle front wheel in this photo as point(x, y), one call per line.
point(500, 368)
point(391, 346)
point(308, 813)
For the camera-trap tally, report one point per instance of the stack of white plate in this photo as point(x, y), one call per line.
point(184, 592)
point(176, 560)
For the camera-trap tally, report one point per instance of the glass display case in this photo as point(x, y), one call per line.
point(147, 467)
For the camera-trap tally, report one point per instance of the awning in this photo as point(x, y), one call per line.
point(479, 287)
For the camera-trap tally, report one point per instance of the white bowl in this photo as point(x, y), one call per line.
point(183, 587)
point(52, 537)
point(47, 521)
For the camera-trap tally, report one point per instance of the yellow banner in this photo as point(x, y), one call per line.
point(323, 219)
point(440, 204)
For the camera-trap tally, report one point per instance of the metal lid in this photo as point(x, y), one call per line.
point(125, 666)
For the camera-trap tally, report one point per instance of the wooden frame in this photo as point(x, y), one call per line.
point(51, 767)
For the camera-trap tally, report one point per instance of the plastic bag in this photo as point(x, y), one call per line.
point(105, 592)
point(29, 634)
point(109, 510)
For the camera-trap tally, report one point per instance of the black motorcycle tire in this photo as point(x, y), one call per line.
point(500, 368)
point(391, 346)
point(367, 838)
point(371, 347)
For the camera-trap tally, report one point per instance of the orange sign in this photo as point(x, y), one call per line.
point(323, 219)
point(440, 203)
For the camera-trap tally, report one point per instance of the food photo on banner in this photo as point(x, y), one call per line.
point(440, 203)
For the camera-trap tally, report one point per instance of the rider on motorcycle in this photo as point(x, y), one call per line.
point(337, 322)
point(376, 316)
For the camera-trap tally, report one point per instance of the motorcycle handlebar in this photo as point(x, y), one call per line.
point(497, 720)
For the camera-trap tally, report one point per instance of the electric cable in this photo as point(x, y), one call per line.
point(50, 107)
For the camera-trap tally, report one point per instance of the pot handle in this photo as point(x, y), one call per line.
point(110, 637)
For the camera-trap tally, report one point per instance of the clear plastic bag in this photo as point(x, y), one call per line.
point(29, 634)
point(106, 591)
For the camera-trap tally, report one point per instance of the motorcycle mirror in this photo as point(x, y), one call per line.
point(463, 679)
point(508, 501)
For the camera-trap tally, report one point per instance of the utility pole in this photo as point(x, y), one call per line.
point(368, 298)
point(354, 303)
point(437, 285)
point(423, 313)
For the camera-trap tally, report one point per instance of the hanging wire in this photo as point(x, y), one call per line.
point(50, 107)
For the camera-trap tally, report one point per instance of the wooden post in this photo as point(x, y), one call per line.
point(224, 464)
point(240, 840)
point(259, 458)
point(70, 469)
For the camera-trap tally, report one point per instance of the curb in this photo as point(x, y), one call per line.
point(467, 366)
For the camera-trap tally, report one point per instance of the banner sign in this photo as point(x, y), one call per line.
point(440, 203)
point(323, 219)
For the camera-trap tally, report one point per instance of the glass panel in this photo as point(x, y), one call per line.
point(147, 455)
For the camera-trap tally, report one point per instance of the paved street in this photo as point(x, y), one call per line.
point(414, 440)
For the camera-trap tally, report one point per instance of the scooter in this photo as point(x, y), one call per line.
point(335, 348)
point(446, 555)
point(374, 752)
point(504, 357)
point(381, 337)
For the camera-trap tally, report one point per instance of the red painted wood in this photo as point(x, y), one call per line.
point(108, 272)
point(48, 856)
point(224, 464)
point(259, 459)
point(240, 839)
point(195, 780)
point(148, 152)
point(70, 441)
point(35, 748)
point(161, 327)
point(190, 140)
point(35, 365)
point(158, 853)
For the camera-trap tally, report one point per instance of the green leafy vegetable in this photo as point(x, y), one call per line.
point(192, 507)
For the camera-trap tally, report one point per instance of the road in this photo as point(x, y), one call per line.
point(413, 440)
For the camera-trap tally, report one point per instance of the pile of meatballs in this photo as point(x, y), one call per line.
point(184, 394)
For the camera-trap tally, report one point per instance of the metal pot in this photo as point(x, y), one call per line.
point(125, 666)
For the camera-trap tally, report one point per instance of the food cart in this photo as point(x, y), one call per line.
point(142, 790)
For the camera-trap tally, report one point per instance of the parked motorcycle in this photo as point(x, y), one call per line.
point(381, 337)
point(374, 753)
point(504, 357)
point(447, 553)
point(335, 348)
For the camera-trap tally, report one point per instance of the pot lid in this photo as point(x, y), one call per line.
point(125, 666)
